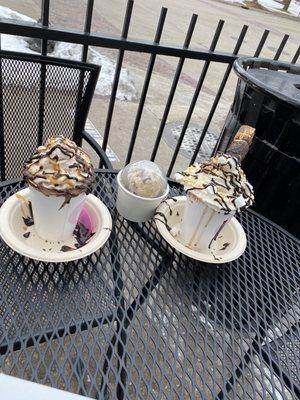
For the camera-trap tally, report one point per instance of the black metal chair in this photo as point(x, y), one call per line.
point(41, 97)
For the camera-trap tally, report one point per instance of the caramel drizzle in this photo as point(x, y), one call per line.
point(75, 186)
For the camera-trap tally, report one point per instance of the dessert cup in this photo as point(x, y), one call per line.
point(59, 175)
point(201, 224)
point(52, 221)
point(136, 208)
point(216, 190)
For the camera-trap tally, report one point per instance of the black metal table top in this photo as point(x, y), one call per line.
point(137, 320)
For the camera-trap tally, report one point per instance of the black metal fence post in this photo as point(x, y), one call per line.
point(117, 75)
point(146, 85)
point(173, 87)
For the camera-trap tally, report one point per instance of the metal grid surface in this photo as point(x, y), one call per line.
point(40, 97)
point(138, 320)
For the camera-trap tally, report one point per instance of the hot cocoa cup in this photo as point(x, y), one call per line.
point(59, 175)
point(216, 190)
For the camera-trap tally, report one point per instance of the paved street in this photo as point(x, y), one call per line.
point(108, 19)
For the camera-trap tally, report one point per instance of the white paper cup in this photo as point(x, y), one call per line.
point(136, 208)
point(52, 222)
point(201, 223)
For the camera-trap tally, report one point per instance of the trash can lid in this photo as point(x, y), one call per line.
point(278, 79)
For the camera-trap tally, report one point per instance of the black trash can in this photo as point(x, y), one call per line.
point(268, 98)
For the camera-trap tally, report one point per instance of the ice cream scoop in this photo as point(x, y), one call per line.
point(141, 188)
point(144, 179)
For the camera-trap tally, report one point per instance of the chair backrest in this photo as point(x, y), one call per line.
point(40, 97)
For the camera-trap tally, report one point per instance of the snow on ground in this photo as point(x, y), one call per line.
point(126, 89)
point(235, 1)
point(273, 5)
point(294, 8)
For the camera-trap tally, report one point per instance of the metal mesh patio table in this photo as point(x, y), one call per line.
point(138, 320)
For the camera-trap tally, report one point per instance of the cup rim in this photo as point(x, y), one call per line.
point(140, 197)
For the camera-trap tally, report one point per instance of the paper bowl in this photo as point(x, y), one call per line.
point(12, 230)
point(230, 244)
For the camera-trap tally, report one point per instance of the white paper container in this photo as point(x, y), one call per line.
point(228, 246)
point(12, 229)
point(51, 222)
point(136, 208)
point(201, 223)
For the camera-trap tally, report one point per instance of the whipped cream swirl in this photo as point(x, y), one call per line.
point(60, 168)
point(219, 182)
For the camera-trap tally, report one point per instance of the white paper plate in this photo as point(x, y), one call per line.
point(12, 230)
point(230, 244)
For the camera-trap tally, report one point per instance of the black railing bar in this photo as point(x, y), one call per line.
point(261, 43)
point(219, 94)
point(112, 42)
point(296, 56)
point(195, 96)
point(2, 152)
point(281, 47)
point(256, 54)
point(117, 75)
point(87, 27)
point(45, 23)
point(137, 121)
point(173, 87)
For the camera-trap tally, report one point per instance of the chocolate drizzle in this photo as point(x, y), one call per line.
point(215, 257)
point(65, 248)
point(229, 191)
point(28, 221)
point(82, 236)
point(217, 234)
point(225, 245)
point(67, 200)
point(164, 221)
point(170, 209)
point(60, 168)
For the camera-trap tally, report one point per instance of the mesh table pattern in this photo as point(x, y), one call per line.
point(138, 320)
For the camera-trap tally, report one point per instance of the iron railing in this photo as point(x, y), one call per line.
point(123, 44)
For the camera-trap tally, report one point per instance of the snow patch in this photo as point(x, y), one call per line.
point(272, 5)
point(235, 1)
point(6, 12)
point(294, 7)
point(126, 89)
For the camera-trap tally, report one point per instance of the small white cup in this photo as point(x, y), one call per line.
point(136, 208)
